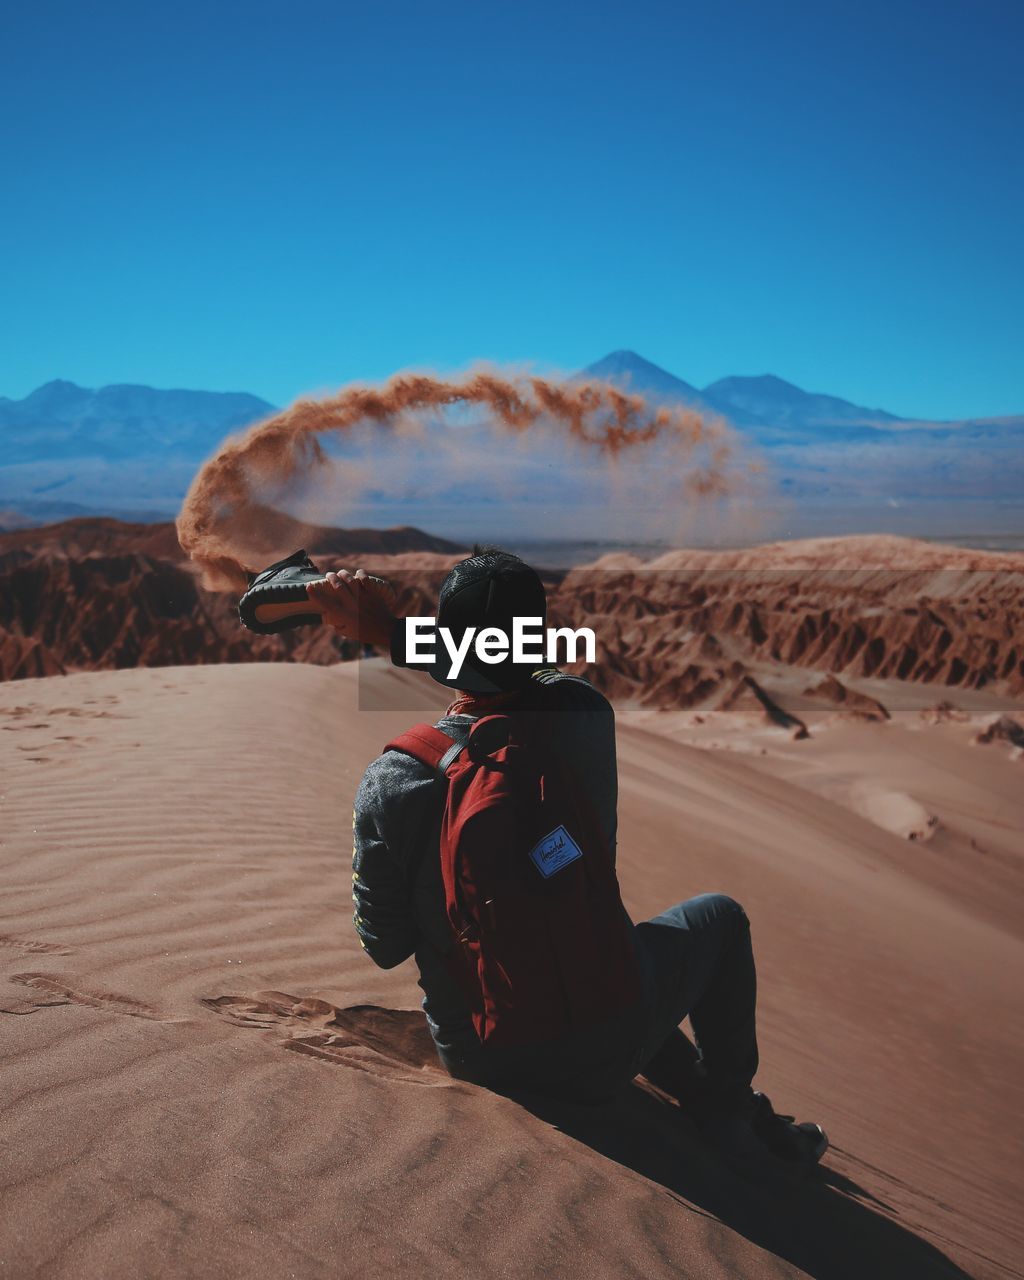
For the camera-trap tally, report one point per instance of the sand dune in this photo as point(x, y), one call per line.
point(205, 1076)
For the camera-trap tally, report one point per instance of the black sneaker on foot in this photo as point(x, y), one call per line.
point(803, 1143)
point(754, 1139)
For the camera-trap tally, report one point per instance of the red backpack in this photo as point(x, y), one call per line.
point(542, 942)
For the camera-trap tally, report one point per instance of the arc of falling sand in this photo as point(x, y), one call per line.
point(277, 450)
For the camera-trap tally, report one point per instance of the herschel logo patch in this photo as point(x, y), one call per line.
point(555, 851)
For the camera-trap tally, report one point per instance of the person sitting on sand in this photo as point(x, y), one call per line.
point(694, 960)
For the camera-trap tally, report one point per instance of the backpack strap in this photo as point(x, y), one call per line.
point(430, 746)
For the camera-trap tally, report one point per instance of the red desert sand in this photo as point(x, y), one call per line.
point(205, 1076)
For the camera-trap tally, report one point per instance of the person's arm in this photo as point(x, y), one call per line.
point(358, 606)
point(384, 914)
point(362, 608)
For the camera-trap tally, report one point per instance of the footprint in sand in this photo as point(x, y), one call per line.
point(79, 712)
point(33, 946)
point(393, 1043)
point(51, 990)
point(19, 713)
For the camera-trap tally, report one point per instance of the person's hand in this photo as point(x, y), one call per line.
point(357, 605)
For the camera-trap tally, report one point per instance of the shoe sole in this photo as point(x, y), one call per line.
point(277, 606)
point(272, 604)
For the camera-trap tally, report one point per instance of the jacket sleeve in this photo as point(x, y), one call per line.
point(384, 913)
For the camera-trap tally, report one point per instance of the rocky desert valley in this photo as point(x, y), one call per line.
point(204, 1074)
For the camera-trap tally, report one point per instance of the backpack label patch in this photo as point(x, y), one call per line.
point(554, 851)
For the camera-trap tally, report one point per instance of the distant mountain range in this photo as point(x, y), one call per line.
point(766, 407)
point(131, 450)
point(62, 420)
point(773, 402)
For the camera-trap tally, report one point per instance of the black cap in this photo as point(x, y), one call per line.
point(489, 589)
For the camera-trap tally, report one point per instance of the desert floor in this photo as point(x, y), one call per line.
point(203, 1075)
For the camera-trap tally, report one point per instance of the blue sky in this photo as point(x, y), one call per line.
point(283, 198)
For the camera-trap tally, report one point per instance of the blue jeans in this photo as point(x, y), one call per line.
point(699, 963)
point(695, 960)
